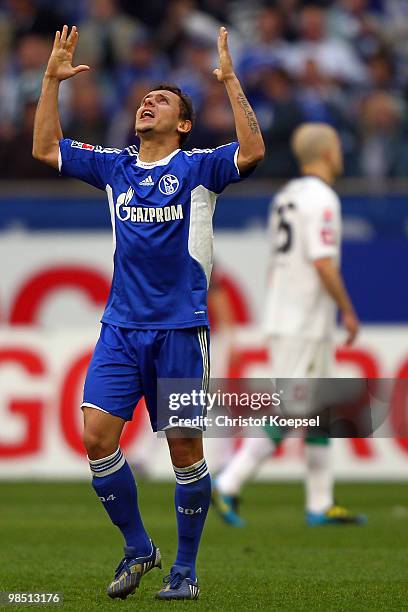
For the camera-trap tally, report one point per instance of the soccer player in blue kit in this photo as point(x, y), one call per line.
point(155, 324)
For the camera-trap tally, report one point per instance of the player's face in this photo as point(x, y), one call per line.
point(159, 113)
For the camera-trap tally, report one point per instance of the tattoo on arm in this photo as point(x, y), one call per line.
point(249, 114)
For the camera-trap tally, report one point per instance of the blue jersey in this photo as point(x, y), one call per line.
point(161, 216)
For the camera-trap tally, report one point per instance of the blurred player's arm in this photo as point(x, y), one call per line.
point(220, 306)
point(47, 127)
point(251, 144)
point(332, 281)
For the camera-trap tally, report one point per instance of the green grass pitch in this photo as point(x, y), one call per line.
point(56, 537)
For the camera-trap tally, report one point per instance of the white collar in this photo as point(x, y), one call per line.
point(159, 162)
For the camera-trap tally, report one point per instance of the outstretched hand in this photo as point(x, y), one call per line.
point(226, 69)
point(60, 63)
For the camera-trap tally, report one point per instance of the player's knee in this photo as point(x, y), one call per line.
point(98, 445)
point(185, 451)
point(102, 433)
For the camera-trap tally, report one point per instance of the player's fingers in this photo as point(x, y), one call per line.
point(224, 38)
point(81, 68)
point(64, 35)
point(72, 40)
point(217, 73)
point(71, 36)
point(219, 43)
point(57, 39)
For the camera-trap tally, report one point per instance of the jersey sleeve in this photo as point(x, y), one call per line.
point(218, 167)
point(322, 229)
point(89, 163)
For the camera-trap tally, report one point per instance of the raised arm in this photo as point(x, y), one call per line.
point(47, 127)
point(251, 144)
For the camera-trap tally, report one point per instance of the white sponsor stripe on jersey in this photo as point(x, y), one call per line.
point(109, 193)
point(200, 232)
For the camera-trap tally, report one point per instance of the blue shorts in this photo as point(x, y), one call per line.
point(127, 364)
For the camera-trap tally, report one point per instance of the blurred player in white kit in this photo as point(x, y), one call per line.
point(305, 288)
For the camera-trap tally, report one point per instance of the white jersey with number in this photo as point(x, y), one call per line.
point(305, 225)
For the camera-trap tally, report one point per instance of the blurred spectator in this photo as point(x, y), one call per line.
point(381, 72)
point(289, 11)
point(5, 37)
point(144, 64)
point(319, 96)
point(121, 130)
point(88, 122)
point(16, 161)
point(395, 24)
point(353, 21)
point(183, 21)
point(333, 57)
point(214, 124)
point(198, 23)
point(321, 99)
point(319, 60)
point(171, 34)
point(284, 116)
point(219, 9)
point(105, 36)
point(384, 144)
point(195, 72)
point(21, 78)
point(242, 16)
point(150, 13)
point(28, 17)
point(268, 47)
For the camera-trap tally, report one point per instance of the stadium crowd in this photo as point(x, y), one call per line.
point(344, 62)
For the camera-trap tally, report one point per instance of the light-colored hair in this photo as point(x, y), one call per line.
point(311, 140)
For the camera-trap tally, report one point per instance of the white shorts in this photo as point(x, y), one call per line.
point(300, 358)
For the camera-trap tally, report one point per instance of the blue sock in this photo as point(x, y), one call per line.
point(115, 486)
point(192, 500)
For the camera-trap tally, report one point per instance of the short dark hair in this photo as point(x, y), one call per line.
point(186, 106)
